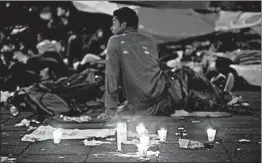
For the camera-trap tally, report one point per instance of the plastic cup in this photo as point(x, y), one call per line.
point(211, 134)
point(57, 135)
point(162, 135)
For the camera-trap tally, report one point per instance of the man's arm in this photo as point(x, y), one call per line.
point(112, 74)
point(154, 46)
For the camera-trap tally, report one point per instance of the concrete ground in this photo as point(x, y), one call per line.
point(227, 148)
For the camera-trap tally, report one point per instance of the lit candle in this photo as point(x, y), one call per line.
point(57, 135)
point(162, 134)
point(118, 132)
point(140, 129)
point(211, 134)
point(144, 139)
point(124, 131)
point(121, 134)
point(142, 150)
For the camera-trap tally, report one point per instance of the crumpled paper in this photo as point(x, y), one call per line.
point(24, 122)
point(191, 144)
point(35, 121)
point(3, 159)
point(4, 95)
point(46, 133)
point(80, 119)
point(179, 134)
point(94, 142)
point(7, 159)
point(27, 123)
point(244, 140)
point(195, 121)
point(131, 155)
point(110, 139)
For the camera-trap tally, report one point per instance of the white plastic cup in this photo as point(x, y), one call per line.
point(57, 135)
point(162, 135)
point(211, 134)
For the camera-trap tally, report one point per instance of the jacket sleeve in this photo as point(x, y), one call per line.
point(112, 74)
point(155, 48)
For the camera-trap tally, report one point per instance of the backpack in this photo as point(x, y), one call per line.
point(187, 92)
point(40, 100)
point(175, 89)
point(81, 86)
point(58, 97)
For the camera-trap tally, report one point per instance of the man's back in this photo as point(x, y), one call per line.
point(140, 74)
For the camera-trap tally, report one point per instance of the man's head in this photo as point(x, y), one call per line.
point(123, 18)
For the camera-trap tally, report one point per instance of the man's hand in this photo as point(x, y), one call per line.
point(102, 117)
point(108, 114)
point(122, 107)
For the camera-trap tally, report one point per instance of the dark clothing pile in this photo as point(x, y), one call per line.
point(187, 90)
point(25, 74)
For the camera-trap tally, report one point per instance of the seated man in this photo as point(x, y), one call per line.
point(132, 63)
point(132, 66)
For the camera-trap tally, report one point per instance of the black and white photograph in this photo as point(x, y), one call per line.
point(130, 81)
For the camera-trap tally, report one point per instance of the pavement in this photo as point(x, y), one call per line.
point(226, 148)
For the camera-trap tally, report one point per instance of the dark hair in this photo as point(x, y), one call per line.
point(127, 15)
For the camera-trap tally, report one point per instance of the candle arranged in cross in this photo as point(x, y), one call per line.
point(140, 129)
point(142, 150)
point(121, 134)
point(143, 139)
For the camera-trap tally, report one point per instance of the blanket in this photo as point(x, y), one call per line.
point(46, 133)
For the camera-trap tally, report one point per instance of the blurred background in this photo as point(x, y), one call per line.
point(209, 36)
